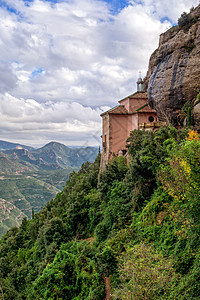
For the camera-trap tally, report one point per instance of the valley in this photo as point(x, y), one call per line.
point(30, 177)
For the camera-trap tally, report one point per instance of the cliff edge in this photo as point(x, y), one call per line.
point(173, 77)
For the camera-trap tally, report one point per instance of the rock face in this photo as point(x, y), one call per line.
point(173, 77)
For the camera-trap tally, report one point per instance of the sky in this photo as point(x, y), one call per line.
point(64, 62)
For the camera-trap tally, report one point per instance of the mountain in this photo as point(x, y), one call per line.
point(62, 156)
point(8, 145)
point(30, 178)
point(26, 157)
point(173, 77)
point(54, 156)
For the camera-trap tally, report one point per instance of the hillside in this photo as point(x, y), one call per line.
point(30, 178)
point(10, 216)
point(26, 192)
point(7, 165)
point(8, 145)
point(132, 230)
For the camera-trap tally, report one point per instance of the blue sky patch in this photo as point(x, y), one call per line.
point(166, 19)
point(27, 2)
point(36, 72)
point(117, 5)
point(11, 9)
point(53, 1)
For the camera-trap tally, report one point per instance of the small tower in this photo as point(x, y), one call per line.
point(140, 83)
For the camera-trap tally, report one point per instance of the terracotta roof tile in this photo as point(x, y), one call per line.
point(140, 105)
point(137, 95)
point(120, 109)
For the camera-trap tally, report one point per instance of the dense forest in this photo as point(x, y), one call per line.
point(134, 226)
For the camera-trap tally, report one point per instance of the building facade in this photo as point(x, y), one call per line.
point(133, 112)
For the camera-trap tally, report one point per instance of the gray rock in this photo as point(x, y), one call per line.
point(173, 76)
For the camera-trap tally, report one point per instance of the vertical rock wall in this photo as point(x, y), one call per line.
point(173, 76)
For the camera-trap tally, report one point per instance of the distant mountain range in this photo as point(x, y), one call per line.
point(52, 156)
point(8, 145)
point(30, 177)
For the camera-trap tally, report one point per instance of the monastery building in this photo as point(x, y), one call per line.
point(133, 112)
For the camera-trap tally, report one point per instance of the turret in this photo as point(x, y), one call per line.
point(140, 83)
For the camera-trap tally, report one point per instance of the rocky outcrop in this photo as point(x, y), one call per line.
point(173, 77)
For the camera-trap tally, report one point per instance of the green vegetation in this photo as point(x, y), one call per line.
point(145, 274)
point(137, 224)
point(186, 20)
point(189, 116)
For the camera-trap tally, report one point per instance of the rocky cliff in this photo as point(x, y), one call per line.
point(173, 77)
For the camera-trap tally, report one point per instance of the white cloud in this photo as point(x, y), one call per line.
point(40, 119)
point(171, 9)
point(60, 63)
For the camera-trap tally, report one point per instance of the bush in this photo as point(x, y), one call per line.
point(186, 20)
point(145, 274)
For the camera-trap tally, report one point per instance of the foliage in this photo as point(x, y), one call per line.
point(116, 212)
point(126, 223)
point(115, 171)
point(192, 135)
point(190, 45)
point(197, 98)
point(145, 274)
point(186, 20)
point(73, 274)
point(189, 117)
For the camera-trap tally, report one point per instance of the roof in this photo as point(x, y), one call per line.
point(136, 95)
point(119, 109)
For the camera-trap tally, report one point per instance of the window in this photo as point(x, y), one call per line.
point(151, 119)
point(104, 143)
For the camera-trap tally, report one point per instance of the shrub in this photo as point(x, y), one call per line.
point(145, 274)
point(185, 20)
